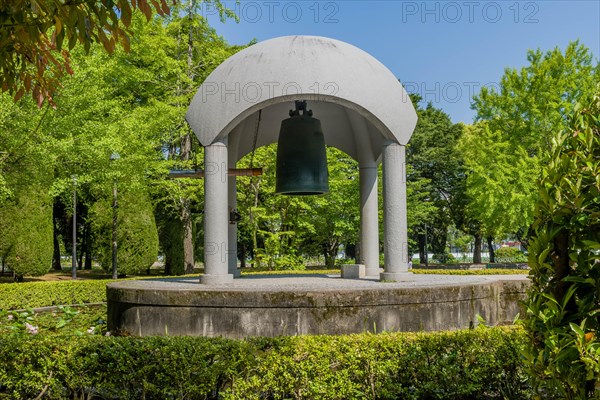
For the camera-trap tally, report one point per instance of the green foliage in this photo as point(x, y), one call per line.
point(503, 154)
point(446, 365)
point(510, 255)
point(67, 316)
point(25, 207)
point(435, 173)
point(62, 320)
point(444, 258)
point(26, 237)
point(170, 231)
point(131, 103)
point(281, 230)
point(137, 236)
point(487, 271)
point(40, 294)
point(18, 321)
point(288, 262)
point(499, 167)
point(37, 34)
point(562, 308)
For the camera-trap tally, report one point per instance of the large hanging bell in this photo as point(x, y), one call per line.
point(301, 155)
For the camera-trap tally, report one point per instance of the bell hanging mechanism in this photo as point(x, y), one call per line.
point(301, 155)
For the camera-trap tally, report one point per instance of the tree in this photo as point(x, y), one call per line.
point(564, 257)
point(35, 36)
point(521, 117)
point(334, 218)
point(272, 226)
point(432, 154)
point(26, 232)
point(496, 166)
point(104, 108)
point(25, 211)
point(195, 50)
point(281, 231)
point(137, 233)
point(32, 57)
point(197, 44)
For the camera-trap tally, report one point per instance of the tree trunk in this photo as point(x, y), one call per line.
point(82, 250)
point(560, 259)
point(88, 259)
point(253, 223)
point(523, 237)
point(186, 150)
point(438, 233)
point(326, 256)
point(172, 244)
point(351, 251)
point(87, 246)
point(188, 237)
point(168, 268)
point(331, 251)
point(477, 249)
point(80, 258)
point(490, 243)
point(114, 247)
point(421, 242)
point(56, 261)
point(242, 255)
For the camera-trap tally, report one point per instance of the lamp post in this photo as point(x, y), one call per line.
point(113, 157)
point(74, 251)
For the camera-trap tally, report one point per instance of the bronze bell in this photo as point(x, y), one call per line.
point(301, 155)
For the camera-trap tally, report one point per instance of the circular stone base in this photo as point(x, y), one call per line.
point(262, 305)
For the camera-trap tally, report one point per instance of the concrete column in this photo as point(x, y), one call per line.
point(233, 142)
point(395, 244)
point(369, 220)
point(232, 235)
point(216, 216)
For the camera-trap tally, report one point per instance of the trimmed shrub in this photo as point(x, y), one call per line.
point(137, 235)
point(444, 258)
point(510, 255)
point(26, 232)
point(15, 296)
point(477, 364)
point(171, 241)
point(487, 271)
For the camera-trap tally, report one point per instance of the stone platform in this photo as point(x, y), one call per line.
point(262, 305)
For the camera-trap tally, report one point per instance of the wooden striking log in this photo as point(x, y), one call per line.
point(199, 173)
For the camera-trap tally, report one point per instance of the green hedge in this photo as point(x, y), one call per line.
point(489, 271)
point(40, 294)
point(476, 364)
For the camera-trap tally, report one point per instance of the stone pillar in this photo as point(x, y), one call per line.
point(232, 246)
point(216, 215)
point(395, 245)
point(369, 220)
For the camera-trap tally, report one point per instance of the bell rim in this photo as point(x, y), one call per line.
point(302, 193)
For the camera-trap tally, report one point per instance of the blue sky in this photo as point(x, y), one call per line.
point(445, 50)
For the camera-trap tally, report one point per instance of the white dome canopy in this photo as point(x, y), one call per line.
point(360, 103)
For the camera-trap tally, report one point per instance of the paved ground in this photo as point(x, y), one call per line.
point(314, 282)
